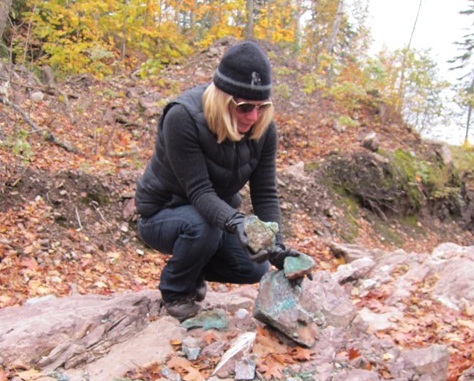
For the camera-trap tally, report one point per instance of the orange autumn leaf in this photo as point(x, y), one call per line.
point(301, 354)
point(353, 353)
point(270, 372)
point(271, 367)
point(282, 358)
point(29, 263)
point(180, 364)
point(209, 337)
point(266, 344)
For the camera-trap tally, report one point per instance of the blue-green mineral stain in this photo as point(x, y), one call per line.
point(215, 319)
point(296, 267)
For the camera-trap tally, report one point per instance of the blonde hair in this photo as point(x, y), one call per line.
point(216, 107)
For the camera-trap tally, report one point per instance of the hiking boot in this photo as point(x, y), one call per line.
point(182, 309)
point(201, 291)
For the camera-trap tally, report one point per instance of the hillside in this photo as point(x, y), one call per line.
point(69, 164)
point(72, 149)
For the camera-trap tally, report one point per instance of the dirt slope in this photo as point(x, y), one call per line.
point(72, 151)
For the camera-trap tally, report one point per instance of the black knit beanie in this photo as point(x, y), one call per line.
point(244, 72)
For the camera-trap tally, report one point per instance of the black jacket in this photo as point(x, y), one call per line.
point(188, 166)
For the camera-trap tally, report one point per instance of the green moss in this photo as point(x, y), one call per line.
point(348, 229)
point(463, 158)
point(417, 172)
point(379, 185)
point(411, 221)
point(309, 167)
point(348, 121)
point(398, 187)
point(406, 163)
point(434, 177)
point(387, 234)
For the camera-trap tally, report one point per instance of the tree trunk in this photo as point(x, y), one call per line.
point(5, 6)
point(401, 88)
point(336, 26)
point(469, 112)
point(298, 28)
point(250, 21)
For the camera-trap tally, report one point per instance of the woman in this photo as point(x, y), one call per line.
point(211, 141)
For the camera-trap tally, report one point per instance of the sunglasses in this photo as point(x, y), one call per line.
point(246, 107)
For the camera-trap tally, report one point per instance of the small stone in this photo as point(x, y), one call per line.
point(297, 267)
point(215, 349)
point(241, 313)
point(191, 348)
point(170, 375)
point(37, 96)
point(245, 369)
point(432, 361)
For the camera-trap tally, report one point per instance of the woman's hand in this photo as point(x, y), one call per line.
point(278, 254)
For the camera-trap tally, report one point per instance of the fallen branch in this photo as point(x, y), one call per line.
point(47, 135)
point(40, 87)
point(18, 109)
point(51, 138)
point(78, 218)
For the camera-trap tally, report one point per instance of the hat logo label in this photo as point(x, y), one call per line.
point(256, 80)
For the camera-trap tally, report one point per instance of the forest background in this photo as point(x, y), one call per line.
point(331, 38)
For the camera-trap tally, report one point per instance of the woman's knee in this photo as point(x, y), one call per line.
point(259, 270)
point(169, 226)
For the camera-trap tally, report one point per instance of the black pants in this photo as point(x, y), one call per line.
point(198, 251)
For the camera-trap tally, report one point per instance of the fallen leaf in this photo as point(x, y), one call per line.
point(353, 353)
point(209, 337)
point(29, 375)
point(271, 367)
point(301, 354)
point(29, 263)
point(181, 364)
point(267, 343)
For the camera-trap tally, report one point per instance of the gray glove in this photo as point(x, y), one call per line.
point(278, 254)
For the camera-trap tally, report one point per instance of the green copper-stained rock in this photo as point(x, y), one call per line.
point(278, 305)
point(215, 319)
point(261, 235)
point(297, 267)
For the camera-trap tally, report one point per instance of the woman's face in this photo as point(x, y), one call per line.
point(246, 112)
